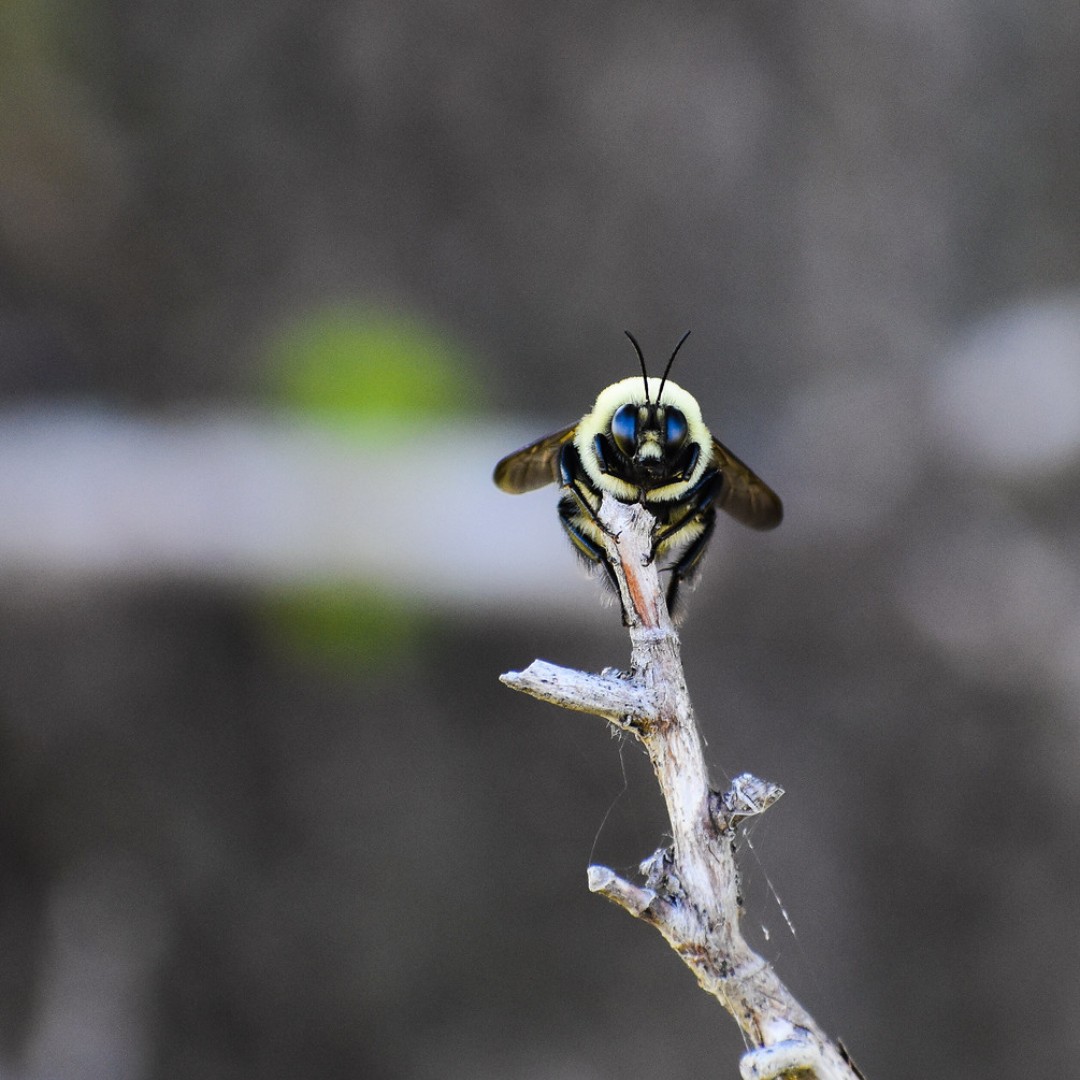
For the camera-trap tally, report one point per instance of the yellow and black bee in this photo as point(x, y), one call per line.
point(644, 442)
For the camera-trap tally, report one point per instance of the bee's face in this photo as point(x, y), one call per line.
point(652, 438)
point(630, 442)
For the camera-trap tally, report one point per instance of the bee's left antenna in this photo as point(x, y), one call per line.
point(669, 363)
point(641, 358)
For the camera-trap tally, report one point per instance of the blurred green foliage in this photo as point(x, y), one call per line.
point(347, 368)
point(345, 625)
point(343, 365)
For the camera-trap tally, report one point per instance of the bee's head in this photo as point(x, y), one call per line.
point(644, 434)
point(652, 435)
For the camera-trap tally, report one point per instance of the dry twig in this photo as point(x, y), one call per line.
point(691, 892)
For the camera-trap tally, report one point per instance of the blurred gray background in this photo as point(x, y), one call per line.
point(278, 284)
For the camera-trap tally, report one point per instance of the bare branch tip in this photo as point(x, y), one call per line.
point(607, 883)
point(748, 796)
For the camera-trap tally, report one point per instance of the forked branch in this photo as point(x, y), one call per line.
point(690, 891)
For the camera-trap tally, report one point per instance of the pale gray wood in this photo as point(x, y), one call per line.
point(691, 890)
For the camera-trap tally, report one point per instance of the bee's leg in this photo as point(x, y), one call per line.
point(690, 462)
point(700, 499)
point(569, 506)
point(601, 452)
point(690, 560)
point(569, 467)
point(583, 543)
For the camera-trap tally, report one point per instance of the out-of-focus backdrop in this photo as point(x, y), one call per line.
point(280, 281)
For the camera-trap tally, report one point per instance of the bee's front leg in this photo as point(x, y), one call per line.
point(690, 560)
point(570, 469)
point(698, 500)
point(575, 525)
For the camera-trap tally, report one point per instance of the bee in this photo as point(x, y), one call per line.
point(644, 441)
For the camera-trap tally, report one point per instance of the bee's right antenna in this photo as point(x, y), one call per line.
point(669, 363)
point(640, 356)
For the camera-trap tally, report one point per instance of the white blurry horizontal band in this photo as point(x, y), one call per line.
point(265, 500)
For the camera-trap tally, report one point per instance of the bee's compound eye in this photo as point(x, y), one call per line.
point(624, 429)
point(675, 430)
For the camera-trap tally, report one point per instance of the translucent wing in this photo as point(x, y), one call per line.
point(746, 497)
point(535, 465)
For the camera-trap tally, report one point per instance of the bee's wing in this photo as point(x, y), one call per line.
point(746, 497)
point(535, 465)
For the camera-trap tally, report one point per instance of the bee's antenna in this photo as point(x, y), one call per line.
point(669, 363)
point(640, 356)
